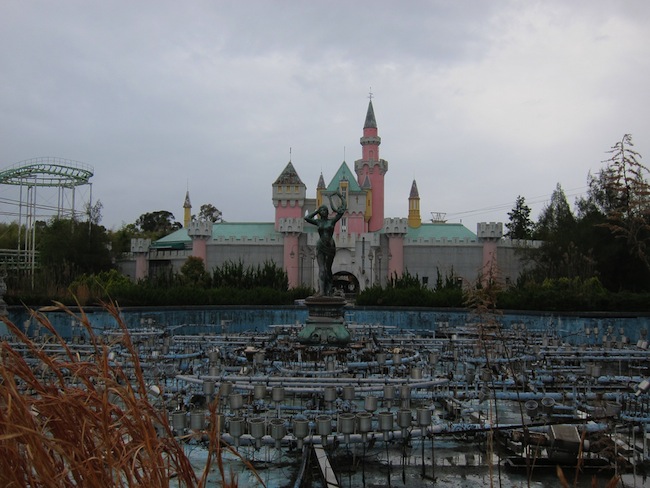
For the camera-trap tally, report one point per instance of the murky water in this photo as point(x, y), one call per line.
point(458, 465)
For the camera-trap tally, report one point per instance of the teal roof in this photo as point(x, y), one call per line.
point(222, 230)
point(266, 230)
point(440, 231)
point(344, 173)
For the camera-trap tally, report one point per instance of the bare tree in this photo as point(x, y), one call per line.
point(625, 183)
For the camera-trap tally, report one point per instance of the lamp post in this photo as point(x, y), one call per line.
point(300, 269)
point(312, 254)
point(378, 254)
point(371, 257)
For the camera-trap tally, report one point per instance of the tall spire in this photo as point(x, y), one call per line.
point(372, 167)
point(371, 122)
point(187, 210)
point(414, 218)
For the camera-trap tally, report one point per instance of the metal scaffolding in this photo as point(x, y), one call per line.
point(56, 180)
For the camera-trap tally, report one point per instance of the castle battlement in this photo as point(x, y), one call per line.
point(140, 245)
point(291, 225)
point(350, 241)
point(489, 230)
point(241, 240)
point(198, 229)
point(395, 225)
point(443, 241)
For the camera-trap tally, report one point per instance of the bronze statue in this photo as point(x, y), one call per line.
point(326, 248)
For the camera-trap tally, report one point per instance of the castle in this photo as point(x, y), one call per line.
point(371, 248)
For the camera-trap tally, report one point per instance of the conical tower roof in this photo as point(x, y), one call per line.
point(289, 176)
point(371, 122)
point(414, 191)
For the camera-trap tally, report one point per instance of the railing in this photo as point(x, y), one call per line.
point(19, 259)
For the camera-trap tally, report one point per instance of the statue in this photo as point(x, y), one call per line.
point(326, 248)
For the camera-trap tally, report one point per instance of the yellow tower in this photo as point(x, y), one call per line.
point(187, 210)
point(414, 219)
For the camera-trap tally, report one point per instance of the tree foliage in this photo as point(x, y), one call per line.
point(520, 225)
point(69, 248)
point(156, 224)
point(210, 213)
point(9, 235)
point(608, 236)
point(628, 212)
point(235, 275)
point(194, 273)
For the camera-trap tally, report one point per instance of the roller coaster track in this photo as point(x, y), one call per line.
point(47, 171)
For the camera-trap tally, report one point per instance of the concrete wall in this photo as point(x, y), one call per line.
point(250, 255)
point(425, 261)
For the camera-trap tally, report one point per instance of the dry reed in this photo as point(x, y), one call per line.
point(67, 420)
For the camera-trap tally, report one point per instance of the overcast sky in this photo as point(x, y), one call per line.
point(478, 101)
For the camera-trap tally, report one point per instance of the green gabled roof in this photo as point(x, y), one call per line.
point(440, 231)
point(175, 240)
point(344, 173)
point(223, 230)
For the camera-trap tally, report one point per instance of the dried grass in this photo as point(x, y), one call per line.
point(72, 421)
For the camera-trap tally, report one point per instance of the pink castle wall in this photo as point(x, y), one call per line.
point(396, 256)
point(283, 211)
point(199, 249)
point(292, 262)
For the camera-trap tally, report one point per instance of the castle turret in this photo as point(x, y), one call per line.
point(414, 219)
point(371, 167)
point(288, 195)
point(289, 200)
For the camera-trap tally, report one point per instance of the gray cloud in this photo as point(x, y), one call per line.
point(478, 101)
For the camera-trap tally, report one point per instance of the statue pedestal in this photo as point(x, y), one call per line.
point(326, 322)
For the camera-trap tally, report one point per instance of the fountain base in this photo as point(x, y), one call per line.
point(326, 322)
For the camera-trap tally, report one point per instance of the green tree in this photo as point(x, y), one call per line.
point(69, 248)
point(156, 224)
point(94, 212)
point(121, 239)
point(556, 217)
point(194, 273)
point(520, 225)
point(628, 213)
point(9, 235)
point(210, 213)
point(562, 253)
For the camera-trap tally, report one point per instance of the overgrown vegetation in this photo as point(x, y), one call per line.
point(233, 283)
point(88, 421)
point(408, 291)
point(607, 237)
